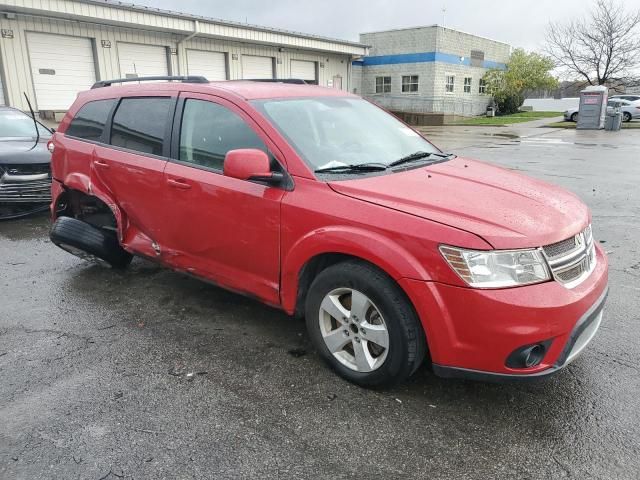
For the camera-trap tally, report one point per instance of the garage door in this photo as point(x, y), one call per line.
point(137, 60)
point(61, 67)
point(212, 65)
point(257, 67)
point(304, 70)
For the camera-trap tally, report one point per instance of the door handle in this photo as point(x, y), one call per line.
point(101, 164)
point(181, 184)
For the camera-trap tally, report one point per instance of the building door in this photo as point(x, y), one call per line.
point(254, 67)
point(212, 65)
point(138, 60)
point(337, 82)
point(304, 70)
point(61, 66)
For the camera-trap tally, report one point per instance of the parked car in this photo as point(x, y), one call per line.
point(25, 180)
point(322, 204)
point(630, 110)
point(630, 98)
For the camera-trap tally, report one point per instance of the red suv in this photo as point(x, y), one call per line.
point(320, 203)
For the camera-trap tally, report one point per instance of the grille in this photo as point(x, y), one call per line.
point(37, 191)
point(25, 169)
point(572, 273)
point(573, 259)
point(561, 248)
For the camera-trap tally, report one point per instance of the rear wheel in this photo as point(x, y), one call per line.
point(88, 242)
point(626, 116)
point(574, 117)
point(363, 325)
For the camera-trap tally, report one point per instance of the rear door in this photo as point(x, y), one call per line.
point(132, 166)
point(218, 227)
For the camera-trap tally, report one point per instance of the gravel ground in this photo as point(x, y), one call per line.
point(150, 374)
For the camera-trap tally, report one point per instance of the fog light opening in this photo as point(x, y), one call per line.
point(528, 356)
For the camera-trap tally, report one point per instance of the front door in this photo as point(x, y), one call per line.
point(217, 227)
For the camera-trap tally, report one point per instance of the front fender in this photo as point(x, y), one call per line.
point(376, 249)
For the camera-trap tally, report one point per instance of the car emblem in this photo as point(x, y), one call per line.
point(13, 171)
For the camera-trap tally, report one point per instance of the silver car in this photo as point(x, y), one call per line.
point(630, 110)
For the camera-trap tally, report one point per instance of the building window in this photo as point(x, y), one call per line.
point(467, 84)
point(482, 88)
point(450, 81)
point(383, 84)
point(410, 84)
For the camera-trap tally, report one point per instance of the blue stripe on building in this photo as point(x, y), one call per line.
point(424, 57)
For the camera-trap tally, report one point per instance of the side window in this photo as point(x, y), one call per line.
point(90, 120)
point(139, 124)
point(210, 130)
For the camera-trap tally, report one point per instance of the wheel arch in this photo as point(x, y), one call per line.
point(322, 248)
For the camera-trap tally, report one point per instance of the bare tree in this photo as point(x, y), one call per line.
point(603, 48)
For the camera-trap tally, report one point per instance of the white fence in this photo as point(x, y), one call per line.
point(551, 104)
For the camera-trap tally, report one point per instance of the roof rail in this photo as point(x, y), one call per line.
point(183, 79)
point(295, 81)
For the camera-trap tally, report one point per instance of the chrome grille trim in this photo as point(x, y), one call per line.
point(572, 260)
point(25, 188)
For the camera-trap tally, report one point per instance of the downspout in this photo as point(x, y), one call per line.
point(196, 30)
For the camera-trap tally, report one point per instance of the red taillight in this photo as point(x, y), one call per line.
point(50, 146)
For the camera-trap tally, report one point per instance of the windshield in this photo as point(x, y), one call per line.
point(14, 124)
point(332, 132)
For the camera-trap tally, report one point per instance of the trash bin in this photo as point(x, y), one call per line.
point(490, 111)
point(613, 118)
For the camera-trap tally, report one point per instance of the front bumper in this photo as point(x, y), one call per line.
point(24, 194)
point(580, 337)
point(472, 332)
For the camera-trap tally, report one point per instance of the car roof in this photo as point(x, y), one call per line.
point(245, 89)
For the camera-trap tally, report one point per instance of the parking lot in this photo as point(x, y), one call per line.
point(150, 374)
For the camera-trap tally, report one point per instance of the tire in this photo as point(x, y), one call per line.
point(574, 117)
point(388, 309)
point(626, 117)
point(88, 242)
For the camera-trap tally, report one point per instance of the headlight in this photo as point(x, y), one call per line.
point(497, 268)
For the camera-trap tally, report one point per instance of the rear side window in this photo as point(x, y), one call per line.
point(210, 130)
point(90, 120)
point(140, 123)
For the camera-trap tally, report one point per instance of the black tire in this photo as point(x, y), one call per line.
point(574, 117)
point(407, 342)
point(88, 242)
point(626, 117)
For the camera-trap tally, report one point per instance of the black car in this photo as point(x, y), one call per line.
point(25, 164)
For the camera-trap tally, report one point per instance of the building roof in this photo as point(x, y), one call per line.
point(218, 21)
point(435, 25)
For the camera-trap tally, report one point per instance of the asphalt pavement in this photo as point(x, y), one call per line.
point(150, 374)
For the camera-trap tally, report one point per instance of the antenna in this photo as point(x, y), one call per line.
point(35, 122)
point(444, 16)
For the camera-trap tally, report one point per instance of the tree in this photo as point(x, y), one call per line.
point(524, 71)
point(601, 49)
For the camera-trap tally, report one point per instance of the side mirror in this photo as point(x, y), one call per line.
point(250, 164)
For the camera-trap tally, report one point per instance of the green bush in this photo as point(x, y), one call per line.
point(509, 103)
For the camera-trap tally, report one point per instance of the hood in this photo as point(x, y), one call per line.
point(506, 209)
point(22, 151)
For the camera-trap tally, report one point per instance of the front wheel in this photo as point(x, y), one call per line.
point(363, 325)
point(574, 117)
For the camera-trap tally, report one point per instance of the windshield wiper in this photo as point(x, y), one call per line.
point(362, 167)
point(418, 156)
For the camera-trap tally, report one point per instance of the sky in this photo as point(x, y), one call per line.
point(521, 23)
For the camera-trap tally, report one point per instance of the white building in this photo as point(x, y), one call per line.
point(430, 72)
point(53, 49)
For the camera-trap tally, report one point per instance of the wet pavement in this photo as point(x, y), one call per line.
point(150, 374)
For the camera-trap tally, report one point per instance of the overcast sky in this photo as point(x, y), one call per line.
point(520, 23)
